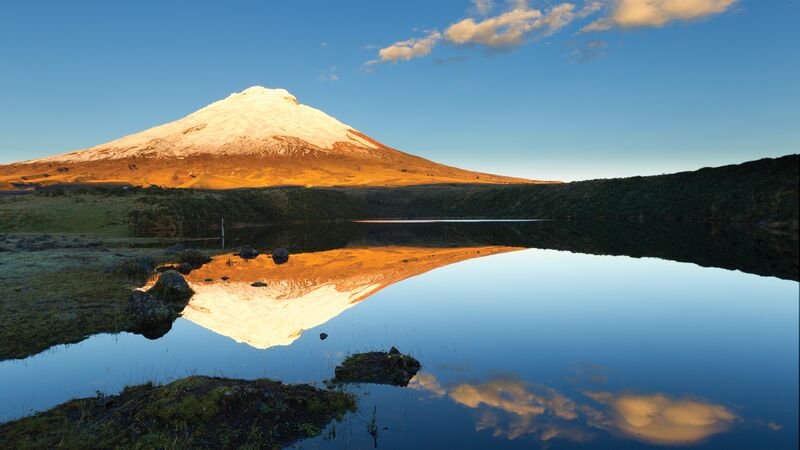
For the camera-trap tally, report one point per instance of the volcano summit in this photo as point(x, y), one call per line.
point(255, 138)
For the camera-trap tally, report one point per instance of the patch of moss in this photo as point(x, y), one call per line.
point(194, 412)
point(61, 307)
point(391, 368)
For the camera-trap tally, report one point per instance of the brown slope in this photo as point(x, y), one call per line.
point(302, 164)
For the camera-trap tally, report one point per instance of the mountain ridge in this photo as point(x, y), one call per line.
point(259, 137)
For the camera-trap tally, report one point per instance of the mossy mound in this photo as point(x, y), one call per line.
point(390, 367)
point(194, 412)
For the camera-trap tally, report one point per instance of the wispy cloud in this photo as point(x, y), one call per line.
point(451, 60)
point(589, 51)
point(656, 13)
point(408, 49)
point(519, 23)
point(482, 7)
point(505, 29)
point(328, 74)
point(502, 30)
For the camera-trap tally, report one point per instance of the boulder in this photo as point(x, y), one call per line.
point(194, 258)
point(248, 252)
point(136, 269)
point(184, 268)
point(146, 309)
point(171, 287)
point(280, 256)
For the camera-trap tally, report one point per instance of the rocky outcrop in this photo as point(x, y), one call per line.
point(153, 311)
point(390, 367)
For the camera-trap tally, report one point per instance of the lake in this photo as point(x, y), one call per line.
point(530, 334)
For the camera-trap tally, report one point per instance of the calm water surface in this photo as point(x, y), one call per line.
point(521, 347)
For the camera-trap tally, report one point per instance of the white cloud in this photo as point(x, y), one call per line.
point(508, 28)
point(511, 27)
point(409, 49)
point(656, 13)
point(520, 22)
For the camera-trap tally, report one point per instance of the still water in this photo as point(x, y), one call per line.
point(535, 335)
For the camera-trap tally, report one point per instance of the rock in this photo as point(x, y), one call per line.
point(248, 252)
point(225, 278)
point(94, 243)
point(177, 248)
point(280, 256)
point(171, 287)
point(391, 368)
point(194, 258)
point(323, 336)
point(138, 268)
point(147, 309)
point(259, 284)
point(185, 268)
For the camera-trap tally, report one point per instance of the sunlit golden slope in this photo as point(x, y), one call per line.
point(307, 291)
point(256, 138)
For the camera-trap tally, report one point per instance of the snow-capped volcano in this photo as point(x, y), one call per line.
point(262, 117)
point(254, 138)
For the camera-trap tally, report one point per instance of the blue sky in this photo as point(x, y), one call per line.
point(620, 88)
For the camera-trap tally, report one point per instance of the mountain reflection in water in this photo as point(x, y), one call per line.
point(307, 291)
point(546, 348)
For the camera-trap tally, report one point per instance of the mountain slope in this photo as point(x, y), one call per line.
point(258, 137)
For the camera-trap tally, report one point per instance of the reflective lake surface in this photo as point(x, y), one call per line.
point(531, 335)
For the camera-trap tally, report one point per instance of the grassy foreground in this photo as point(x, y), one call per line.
point(193, 412)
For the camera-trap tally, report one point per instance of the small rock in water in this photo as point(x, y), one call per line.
point(259, 284)
point(323, 336)
point(280, 256)
point(177, 248)
point(185, 268)
point(94, 243)
point(194, 258)
point(248, 252)
point(391, 368)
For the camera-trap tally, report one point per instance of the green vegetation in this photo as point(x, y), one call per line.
point(61, 307)
point(62, 296)
point(100, 215)
point(194, 412)
point(763, 192)
point(70, 290)
point(390, 367)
